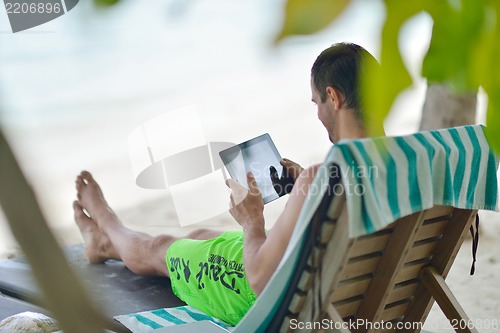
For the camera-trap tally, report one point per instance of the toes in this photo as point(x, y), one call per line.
point(78, 211)
point(79, 183)
point(87, 177)
point(83, 179)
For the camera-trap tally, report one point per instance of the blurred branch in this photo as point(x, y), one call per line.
point(64, 294)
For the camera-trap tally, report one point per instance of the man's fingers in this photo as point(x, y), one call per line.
point(252, 183)
point(231, 201)
point(232, 184)
point(288, 164)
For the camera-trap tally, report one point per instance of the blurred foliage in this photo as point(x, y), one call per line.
point(307, 17)
point(463, 52)
point(105, 3)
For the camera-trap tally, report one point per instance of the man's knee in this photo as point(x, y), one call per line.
point(203, 234)
point(155, 261)
point(161, 244)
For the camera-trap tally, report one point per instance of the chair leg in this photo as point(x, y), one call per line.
point(438, 288)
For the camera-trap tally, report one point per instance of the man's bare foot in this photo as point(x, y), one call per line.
point(91, 199)
point(98, 247)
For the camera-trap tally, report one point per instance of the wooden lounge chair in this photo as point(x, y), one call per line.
point(353, 274)
point(393, 275)
point(111, 285)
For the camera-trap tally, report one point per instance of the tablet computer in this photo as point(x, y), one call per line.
point(256, 155)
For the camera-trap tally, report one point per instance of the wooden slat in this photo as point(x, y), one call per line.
point(401, 292)
point(431, 230)
point(297, 303)
point(369, 245)
point(350, 288)
point(336, 206)
point(327, 230)
point(395, 311)
point(359, 267)
point(347, 308)
point(437, 211)
point(410, 271)
point(305, 281)
point(314, 259)
point(421, 251)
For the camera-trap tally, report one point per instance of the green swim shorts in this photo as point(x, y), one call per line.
point(209, 275)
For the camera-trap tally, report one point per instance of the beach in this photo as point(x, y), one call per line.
point(153, 211)
point(73, 91)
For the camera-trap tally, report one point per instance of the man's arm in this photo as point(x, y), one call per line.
point(262, 254)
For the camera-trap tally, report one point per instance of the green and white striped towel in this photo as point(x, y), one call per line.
point(148, 321)
point(386, 178)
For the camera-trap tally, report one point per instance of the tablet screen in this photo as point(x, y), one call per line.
point(256, 155)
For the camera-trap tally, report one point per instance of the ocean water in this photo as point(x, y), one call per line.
point(73, 89)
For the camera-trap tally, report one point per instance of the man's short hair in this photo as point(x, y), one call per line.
point(340, 67)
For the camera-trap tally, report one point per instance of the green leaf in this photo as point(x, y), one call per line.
point(106, 3)
point(304, 17)
point(493, 121)
point(487, 72)
point(454, 37)
point(381, 85)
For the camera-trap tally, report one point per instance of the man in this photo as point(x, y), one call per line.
point(223, 273)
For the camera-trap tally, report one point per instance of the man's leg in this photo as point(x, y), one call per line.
point(106, 237)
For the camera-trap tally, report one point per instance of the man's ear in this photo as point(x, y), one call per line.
point(335, 96)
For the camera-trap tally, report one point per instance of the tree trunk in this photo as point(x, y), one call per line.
point(443, 109)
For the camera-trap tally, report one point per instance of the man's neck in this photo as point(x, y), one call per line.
point(349, 126)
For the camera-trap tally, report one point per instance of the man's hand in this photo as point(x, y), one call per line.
point(291, 172)
point(294, 169)
point(246, 206)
